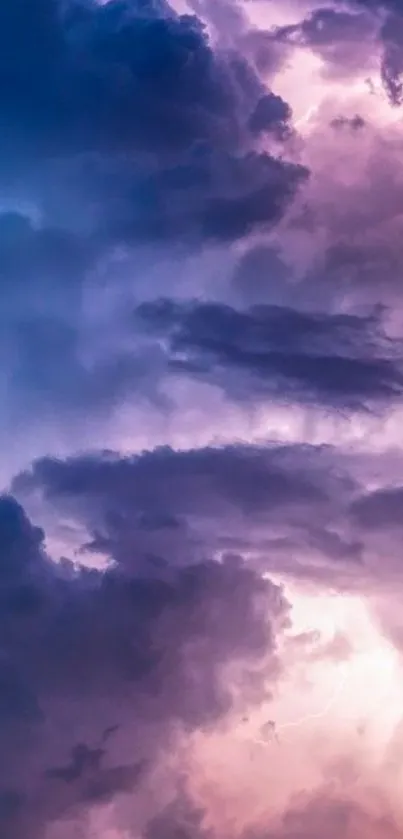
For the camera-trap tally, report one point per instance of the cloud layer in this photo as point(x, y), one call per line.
point(201, 399)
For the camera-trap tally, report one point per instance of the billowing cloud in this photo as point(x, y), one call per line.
point(201, 401)
point(123, 655)
point(108, 81)
point(125, 128)
point(176, 506)
point(266, 502)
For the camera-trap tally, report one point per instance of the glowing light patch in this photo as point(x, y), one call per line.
point(362, 689)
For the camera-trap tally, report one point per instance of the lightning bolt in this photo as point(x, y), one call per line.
point(334, 698)
point(273, 730)
point(309, 717)
point(323, 712)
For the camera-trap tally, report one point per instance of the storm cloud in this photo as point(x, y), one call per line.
point(344, 360)
point(121, 654)
point(201, 402)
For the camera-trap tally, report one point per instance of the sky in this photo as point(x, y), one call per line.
point(201, 389)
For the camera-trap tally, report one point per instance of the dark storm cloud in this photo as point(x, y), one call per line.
point(123, 127)
point(340, 360)
point(126, 128)
point(271, 115)
point(209, 195)
point(252, 478)
point(270, 500)
point(110, 86)
point(83, 76)
point(83, 649)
